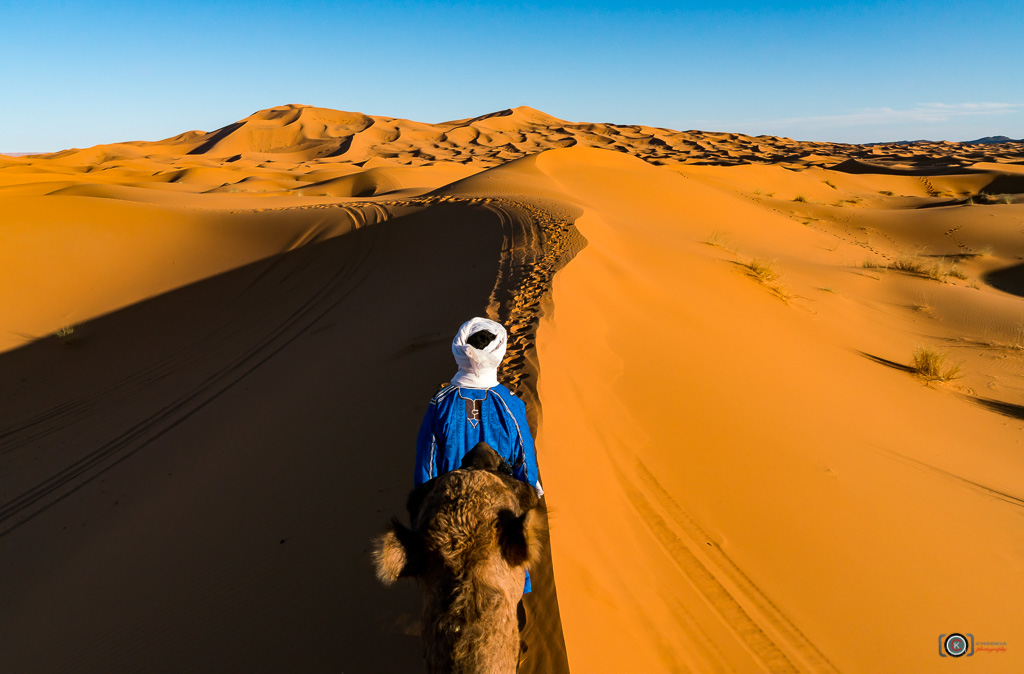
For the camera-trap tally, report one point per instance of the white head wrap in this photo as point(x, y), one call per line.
point(478, 368)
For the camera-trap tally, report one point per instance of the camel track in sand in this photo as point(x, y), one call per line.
point(537, 241)
point(536, 244)
point(235, 352)
point(540, 239)
point(775, 643)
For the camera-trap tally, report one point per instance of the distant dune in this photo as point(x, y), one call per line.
point(299, 133)
point(993, 139)
point(777, 390)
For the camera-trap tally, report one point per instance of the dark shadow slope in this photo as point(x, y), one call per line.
point(193, 484)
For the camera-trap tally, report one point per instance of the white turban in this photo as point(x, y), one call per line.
point(478, 368)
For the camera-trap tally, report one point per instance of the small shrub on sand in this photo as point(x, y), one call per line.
point(830, 184)
point(765, 271)
point(912, 265)
point(956, 272)
point(1017, 342)
point(942, 270)
point(931, 365)
point(887, 193)
point(801, 198)
point(67, 334)
point(719, 240)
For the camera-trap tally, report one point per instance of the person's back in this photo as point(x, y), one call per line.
point(475, 408)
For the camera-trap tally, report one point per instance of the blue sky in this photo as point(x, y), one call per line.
point(74, 74)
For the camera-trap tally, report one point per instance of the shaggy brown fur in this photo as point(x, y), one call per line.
point(474, 533)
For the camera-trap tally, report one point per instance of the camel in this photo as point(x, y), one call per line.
point(474, 532)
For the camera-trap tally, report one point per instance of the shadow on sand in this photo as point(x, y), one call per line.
point(193, 482)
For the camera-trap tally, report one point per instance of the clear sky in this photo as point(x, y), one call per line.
point(74, 74)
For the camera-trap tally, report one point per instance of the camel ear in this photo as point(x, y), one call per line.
point(397, 553)
point(520, 537)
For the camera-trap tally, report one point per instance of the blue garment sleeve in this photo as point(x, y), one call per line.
point(426, 448)
point(526, 469)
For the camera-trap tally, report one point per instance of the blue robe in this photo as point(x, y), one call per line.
point(458, 418)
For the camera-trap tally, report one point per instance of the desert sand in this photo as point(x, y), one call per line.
point(216, 350)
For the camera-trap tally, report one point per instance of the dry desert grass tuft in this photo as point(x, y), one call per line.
point(67, 334)
point(766, 272)
point(931, 365)
point(720, 240)
point(941, 270)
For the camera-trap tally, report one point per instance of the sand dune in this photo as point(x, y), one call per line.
point(218, 346)
point(298, 133)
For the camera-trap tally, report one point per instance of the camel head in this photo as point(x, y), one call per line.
point(474, 532)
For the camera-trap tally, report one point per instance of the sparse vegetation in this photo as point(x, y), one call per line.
point(830, 184)
point(66, 334)
point(942, 270)
point(801, 198)
point(1017, 342)
point(887, 193)
point(931, 365)
point(985, 251)
point(987, 199)
point(912, 265)
point(956, 272)
point(828, 290)
point(719, 240)
point(765, 271)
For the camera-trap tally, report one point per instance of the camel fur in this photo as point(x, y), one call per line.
point(474, 532)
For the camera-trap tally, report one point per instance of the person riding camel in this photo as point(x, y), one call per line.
point(475, 408)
